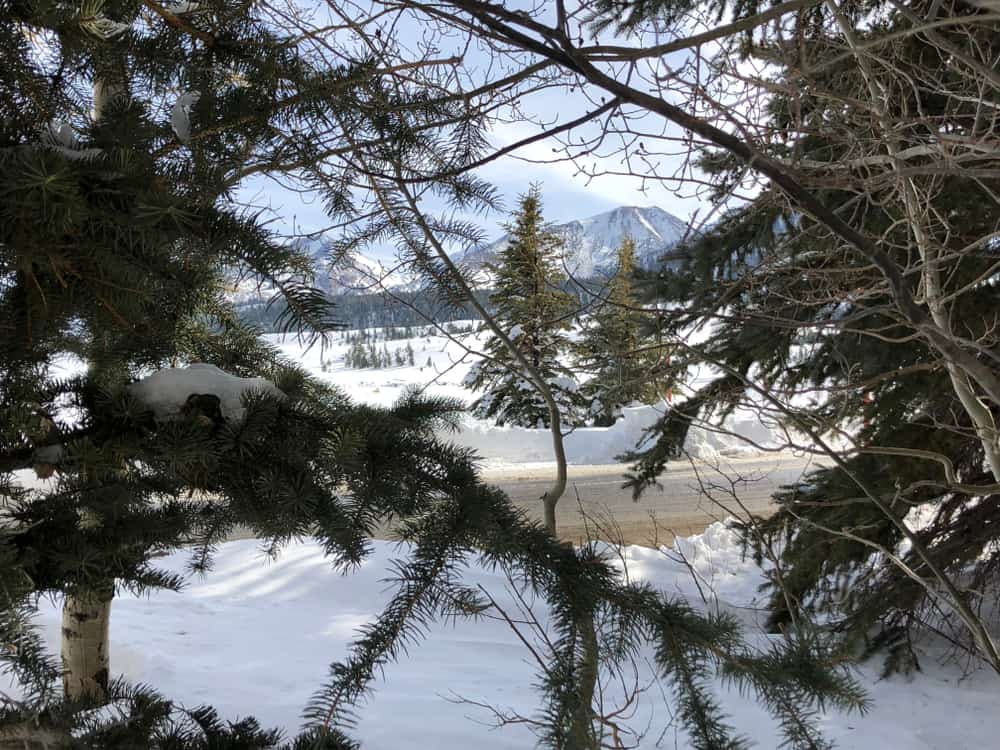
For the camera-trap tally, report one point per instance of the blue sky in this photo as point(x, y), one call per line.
point(566, 195)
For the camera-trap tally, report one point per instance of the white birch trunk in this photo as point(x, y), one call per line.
point(85, 645)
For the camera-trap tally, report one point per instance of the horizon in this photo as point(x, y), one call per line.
point(555, 223)
point(566, 197)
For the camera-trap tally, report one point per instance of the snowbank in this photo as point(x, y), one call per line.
point(167, 391)
point(441, 369)
point(256, 637)
point(602, 445)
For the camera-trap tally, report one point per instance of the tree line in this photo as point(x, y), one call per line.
point(357, 311)
point(360, 356)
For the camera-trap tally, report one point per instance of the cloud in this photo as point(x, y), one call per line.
point(568, 193)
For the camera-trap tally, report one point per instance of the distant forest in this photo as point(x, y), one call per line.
point(409, 308)
point(374, 310)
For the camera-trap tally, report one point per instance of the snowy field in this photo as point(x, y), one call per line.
point(440, 366)
point(256, 637)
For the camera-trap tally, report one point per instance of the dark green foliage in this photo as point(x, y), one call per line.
point(798, 313)
point(614, 347)
point(364, 353)
point(535, 314)
point(630, 15)
point(794, 681)
point(118, 240)
point(137, 718)
point(664, 440)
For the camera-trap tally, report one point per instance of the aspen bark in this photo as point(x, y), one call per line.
point(85, 645)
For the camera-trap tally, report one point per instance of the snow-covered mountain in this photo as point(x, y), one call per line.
point(591, 244)
point(357, 274)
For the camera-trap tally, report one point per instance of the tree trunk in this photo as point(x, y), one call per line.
point(85, 645)
point(582, 731)
point(551, 498)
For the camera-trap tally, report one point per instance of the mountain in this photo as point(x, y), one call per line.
point(591, 244)
point(357, 274)
point(591, 249)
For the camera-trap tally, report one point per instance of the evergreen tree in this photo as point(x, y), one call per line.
point(536, 315)
point(119, 147)
point(615, 347)
point(805, 314)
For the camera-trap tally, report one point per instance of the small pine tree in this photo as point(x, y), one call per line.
point(613, 350)
point(536, 315)
point(409, 354)
point(357, 355)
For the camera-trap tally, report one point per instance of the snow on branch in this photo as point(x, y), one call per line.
point(167, 392)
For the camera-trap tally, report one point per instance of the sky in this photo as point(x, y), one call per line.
point(567, 195)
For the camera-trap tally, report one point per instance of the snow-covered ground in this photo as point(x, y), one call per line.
point(441, 364)
point(256, 637)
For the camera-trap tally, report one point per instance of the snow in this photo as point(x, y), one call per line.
point(591, 244)
point(179, 8)
point(167, 391)
point(602, 445)
point(256, 637)
point(61, 137)
point(354, 273)
point(645, 223)
point(453, 364)
point(180, 115)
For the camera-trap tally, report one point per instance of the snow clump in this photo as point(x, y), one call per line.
point(168, 391)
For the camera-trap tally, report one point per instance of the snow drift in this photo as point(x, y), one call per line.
point(602, 445)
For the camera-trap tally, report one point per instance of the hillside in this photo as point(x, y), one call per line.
point(357, 282)
point(590, 244)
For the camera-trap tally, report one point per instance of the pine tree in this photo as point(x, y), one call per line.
point(120, 146)
point(616, 349)
point(536, 314)
point(804, 314)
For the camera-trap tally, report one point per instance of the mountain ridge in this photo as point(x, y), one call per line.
point(591, 243)
point(590, 250)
